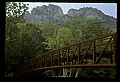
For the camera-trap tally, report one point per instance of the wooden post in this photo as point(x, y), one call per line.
point(113, 57)
point(68, 56)
point(45, 61)
point(79, 53)
point(58, 57)
point(83, 56)
point(30, 64)
point(38, 64)
point(94, 52)
point(51, 59)
point(114, 47)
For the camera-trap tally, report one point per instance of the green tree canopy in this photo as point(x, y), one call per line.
point(22, 40)
point(15, 9)
point(64, 36)
point(84, 28)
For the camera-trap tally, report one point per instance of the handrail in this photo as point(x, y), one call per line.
point(80, 42)
point(56, 51)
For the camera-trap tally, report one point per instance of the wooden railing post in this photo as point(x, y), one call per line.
point(79, 48)
point(45, 61)
point(83, 51)
point(94, 51)
point(68, 51)
point(58, 57)
point(114, 47)
point(51, 59)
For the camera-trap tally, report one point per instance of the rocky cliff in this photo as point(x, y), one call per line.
point(54, 14)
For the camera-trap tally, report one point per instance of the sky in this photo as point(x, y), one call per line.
point(107, 8)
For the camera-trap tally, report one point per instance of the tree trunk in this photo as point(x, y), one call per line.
point(65, 71)
point(70, 72)
point(77, 72)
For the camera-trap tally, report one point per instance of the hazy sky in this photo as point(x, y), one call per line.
point(106, 8)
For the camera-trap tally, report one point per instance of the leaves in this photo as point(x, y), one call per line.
point(64, 36)
point(22, 40)
point(76, 30)
point(15, 9)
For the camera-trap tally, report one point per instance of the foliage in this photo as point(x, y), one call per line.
point(98, 72)
point(49, 73)
point(27, 41)
point(22, 40)
point(30, 39)
point(85, 28)
point(13, 16)
point(64, 36)
point(49, 31)
point(15, 9)
point(76, 30)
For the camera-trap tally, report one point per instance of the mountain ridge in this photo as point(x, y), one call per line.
point(54, 14)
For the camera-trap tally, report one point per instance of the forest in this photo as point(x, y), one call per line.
point(26, 40)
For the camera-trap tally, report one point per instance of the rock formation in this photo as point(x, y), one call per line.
point(54, 14)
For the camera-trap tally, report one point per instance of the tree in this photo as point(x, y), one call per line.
point(64, 37)
point(49, 31)
point(85, 28)
point(22, 40)
point(15, 9)
point(14, 13)
point(27, 43)
point(31, 39)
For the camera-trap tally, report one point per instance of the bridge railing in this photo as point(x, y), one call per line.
point(92, 49)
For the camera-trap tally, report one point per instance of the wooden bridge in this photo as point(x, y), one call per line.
point(75, 55)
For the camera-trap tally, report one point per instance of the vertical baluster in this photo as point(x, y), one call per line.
point(111, 43)
point(51, 59)
point(35, 63)
point(68, 50)
point(28, 65)
point(58, 57)
point(31, 65)
point(48, 59)
point(41, 61)
point(24, 67)
point(114, 47)
point(38, 65)
point(21, 68)
point(94, 51)
point(72, 55)
point(79, 53)
point(45, 59)
point(83, 51)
